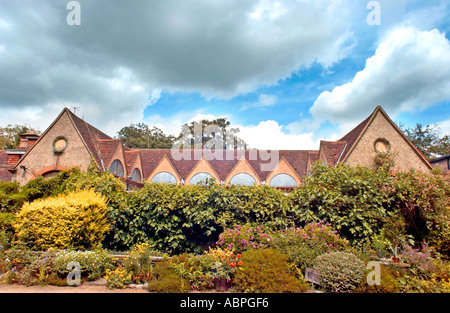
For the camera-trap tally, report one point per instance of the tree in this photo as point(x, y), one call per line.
point(217, 132)
point(427, 140)
point(141, 136)
point(10, 135)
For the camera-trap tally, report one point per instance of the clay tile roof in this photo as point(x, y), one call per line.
point(296, 158)
point(332, 150)
point(353, 135)
point(107, 147)
point(5, 175)
point(130, 159)
point(3, 157)
point(90, 136)
point(313, 156)
point(150, 159)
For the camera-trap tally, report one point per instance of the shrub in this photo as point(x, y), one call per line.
point(303, 245)
point(388, 282)
point(354, 200)
point(76, 220)
point(93, 264)
point(339, 271)
point(139, 263)
point(17, 265)
point(267, 270)
point(421, 262)
point(423, 200)
point(119, 278)
point(6, 230)
point(167, 280)
point(241, 238)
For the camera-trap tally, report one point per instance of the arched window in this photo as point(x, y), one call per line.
point(136, 175)
point(200, 177)
point(283, 180)
point(116, 168)
point(243, 179)
point(164, 177)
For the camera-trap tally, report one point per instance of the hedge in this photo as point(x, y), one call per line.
point(73, 221)
point(354, 200)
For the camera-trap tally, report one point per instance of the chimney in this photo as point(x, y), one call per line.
point(27, 140)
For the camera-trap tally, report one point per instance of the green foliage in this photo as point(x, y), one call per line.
point(184, 218)
point(139, 263)
point(423, 200)
point(27, 267)
point(303, 245)
point(217, 130)
point(118, 278)
point(10, 135)
point(388, 282)
point(6, 229)
point(93, 264)
point(76, 220)
point(339, 271)
point(119, 211)
point(354, 200)
point(427, 139)
point(267, 271)
point(166, 279)
point(12, 196)
point(142, 136)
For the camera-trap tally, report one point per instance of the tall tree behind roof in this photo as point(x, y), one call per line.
point(141, 136)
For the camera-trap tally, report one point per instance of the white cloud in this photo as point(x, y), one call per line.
point(444, 127)
point(266, 135)
point(409, 71)
point(270, 135)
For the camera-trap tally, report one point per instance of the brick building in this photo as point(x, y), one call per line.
point(71, 142)
point(442, 162)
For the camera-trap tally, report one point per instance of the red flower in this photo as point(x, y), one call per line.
point(239, 263)
point(232, 264)
point(239, 255)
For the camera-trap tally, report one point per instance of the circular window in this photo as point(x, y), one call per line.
point(381, 145)
point(59, 144)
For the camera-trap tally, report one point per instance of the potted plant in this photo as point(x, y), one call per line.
point(223, 271)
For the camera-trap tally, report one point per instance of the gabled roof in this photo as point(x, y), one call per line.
point(355, 135)
point(107, 147)
point(352, 137)
point(131, 157)
point(297, 159)
point(332, 150)
point(89, 135)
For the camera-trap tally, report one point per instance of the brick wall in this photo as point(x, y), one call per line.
point(364, 153)
point(42, 155)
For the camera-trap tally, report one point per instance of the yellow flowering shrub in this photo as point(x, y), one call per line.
point(77, 220)
point(118, 278)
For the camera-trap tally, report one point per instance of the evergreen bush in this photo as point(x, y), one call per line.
point(267, 271)
point(74, 221)
point(339, 271)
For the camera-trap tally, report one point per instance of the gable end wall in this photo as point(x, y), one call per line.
point(363, 153)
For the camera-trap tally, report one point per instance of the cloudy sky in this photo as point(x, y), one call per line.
point(287, 73)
